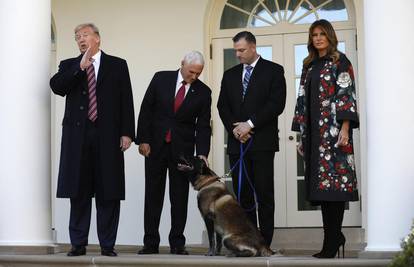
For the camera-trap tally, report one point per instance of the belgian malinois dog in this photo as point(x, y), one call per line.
point(222, 214)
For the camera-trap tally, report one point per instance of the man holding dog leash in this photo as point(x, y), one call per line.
point(252, 96)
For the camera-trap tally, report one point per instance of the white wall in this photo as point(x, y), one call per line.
point(151, 36)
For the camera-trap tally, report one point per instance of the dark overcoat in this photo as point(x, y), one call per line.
point(115, 119)
point(326, 98)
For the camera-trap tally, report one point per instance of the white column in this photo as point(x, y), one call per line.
point(25, 198)
point(389, 39)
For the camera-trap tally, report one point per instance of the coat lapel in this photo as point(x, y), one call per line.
point(239, 84)
point(103, 68)
point(192, 91)
point(258, 69)
point(170, 87)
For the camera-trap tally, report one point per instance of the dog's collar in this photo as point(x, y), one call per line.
point(205, 182)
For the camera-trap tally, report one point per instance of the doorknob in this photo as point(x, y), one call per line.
point(291, 138)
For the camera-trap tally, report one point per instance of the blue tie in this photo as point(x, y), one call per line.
point(246, 79)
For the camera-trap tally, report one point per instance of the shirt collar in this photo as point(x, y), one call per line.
point(97, 57)
point(253, 64)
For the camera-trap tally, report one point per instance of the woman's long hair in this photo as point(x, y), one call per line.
point(329, 31)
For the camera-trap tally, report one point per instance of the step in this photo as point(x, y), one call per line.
point(164, 260)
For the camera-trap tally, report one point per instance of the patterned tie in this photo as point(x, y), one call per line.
point(179, 98)
point(92, 108)
point(246, 79)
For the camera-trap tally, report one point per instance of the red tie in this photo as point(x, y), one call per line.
point(92, 108)
point(179, 98)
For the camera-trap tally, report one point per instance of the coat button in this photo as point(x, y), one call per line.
point(81, 107)
point(77, 123)
point(84, 92)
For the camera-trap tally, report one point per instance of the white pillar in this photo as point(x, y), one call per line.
point(25, 198)
point(389, 40)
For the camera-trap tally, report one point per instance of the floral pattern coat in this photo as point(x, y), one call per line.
point(327, 98)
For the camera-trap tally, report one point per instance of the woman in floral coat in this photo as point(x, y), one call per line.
point(325, 115)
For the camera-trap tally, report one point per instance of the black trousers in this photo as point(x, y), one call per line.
point(259, 166)
point(155, 178)
point(107, 211)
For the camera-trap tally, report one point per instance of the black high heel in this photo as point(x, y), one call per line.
point(318, 255)
point(343, 251)
point(334, 249)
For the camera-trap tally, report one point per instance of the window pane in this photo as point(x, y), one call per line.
point(333, 11)
point(282, 6)
point(292, 5)
point(304, 7)
point(297, 84)
point(301, 51)
point(270, 4)
point(247, 5)
point(308, 19)
point(260, 23)
point(232, 18)
point(230, 59)
point(265, 52)
point(303, 204)
point(341, 47)
point(299, 160)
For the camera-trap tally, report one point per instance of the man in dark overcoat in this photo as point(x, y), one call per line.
point(252, 96)
point(174, 121)
point(97, 127)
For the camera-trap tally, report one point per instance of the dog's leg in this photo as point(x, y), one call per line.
point(219, 243)
point(237, 249)
point(210, 231)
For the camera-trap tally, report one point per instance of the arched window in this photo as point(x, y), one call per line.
point(262, 13)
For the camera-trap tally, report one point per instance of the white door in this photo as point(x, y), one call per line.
point(292, 210)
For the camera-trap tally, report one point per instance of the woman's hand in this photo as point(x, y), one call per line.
point(343, 137)
point(300, 148)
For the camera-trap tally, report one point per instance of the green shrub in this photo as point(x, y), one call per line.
point(405, 258)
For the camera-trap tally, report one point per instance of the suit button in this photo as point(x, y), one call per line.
point(77, 123)
point(84, 92)
point(81, 107)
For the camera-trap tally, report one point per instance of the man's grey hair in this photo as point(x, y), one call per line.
point(194, 57)
point(84, 25)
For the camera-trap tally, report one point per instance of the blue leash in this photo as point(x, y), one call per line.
point(242, 168)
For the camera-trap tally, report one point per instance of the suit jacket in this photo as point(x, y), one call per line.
point(115, 119)
point(190, 126)
point(263, 103)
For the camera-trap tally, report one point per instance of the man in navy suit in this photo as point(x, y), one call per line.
point(252, 96)
point(174, 120)
point(98, 126)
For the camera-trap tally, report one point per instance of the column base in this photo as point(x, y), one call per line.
point(28, 250)
point(377, 254)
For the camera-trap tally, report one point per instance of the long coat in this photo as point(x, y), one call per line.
point(115, 119)
point(190, 125)
point(264, 101)
point(327, 98)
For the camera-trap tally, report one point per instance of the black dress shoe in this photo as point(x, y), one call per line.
point(76, 251)
point(108, 252)
point(148, 250)
point(179, 251)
